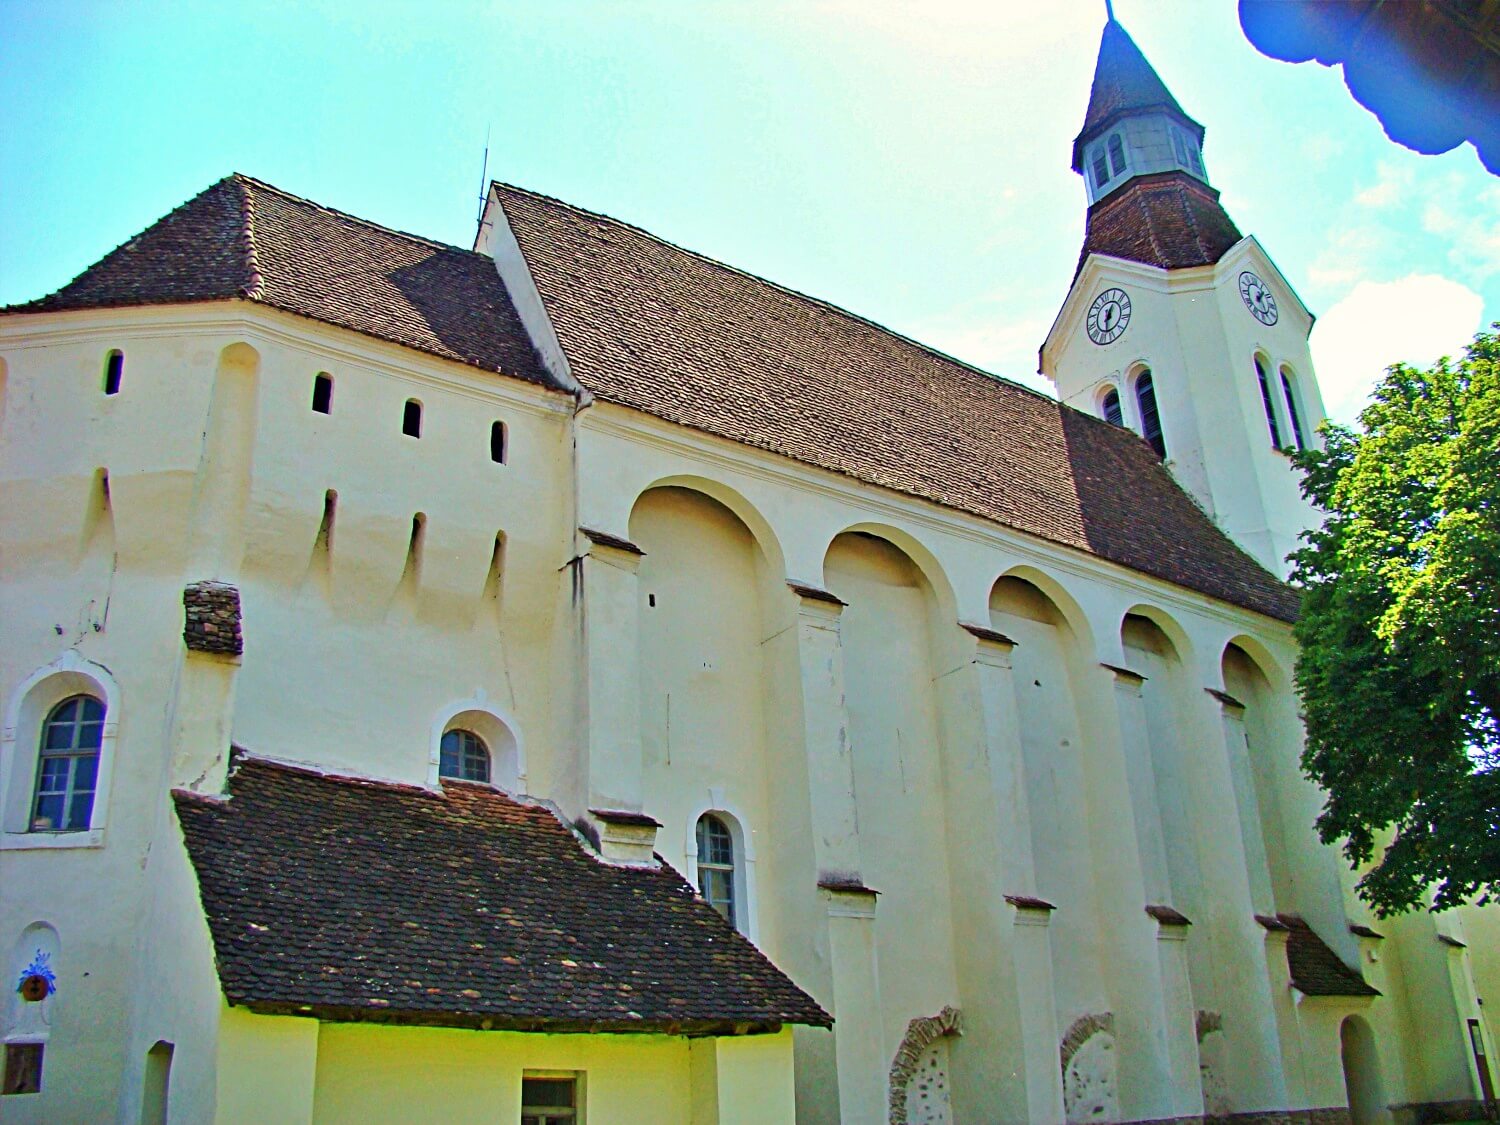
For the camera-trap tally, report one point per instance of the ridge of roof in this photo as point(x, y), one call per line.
point(821, 302)
point(241, 238)
point(350, 217)
point(254, 286)
point(680, 336)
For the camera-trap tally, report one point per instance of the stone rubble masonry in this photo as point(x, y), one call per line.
point(211, 612)
point(920, 1034)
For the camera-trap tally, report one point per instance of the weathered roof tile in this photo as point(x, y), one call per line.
point(352, 899)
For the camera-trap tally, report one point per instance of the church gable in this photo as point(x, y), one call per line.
point(243, 239)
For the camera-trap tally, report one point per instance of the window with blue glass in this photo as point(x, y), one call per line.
point(68, 766)
point(463, 756)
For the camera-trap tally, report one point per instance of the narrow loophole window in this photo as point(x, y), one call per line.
point(323, 393)
point(114, 369)
point(411, 419)
point(497, 442)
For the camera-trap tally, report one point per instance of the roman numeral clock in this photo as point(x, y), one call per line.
point(1109, 316)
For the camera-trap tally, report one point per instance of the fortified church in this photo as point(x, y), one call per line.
point(573, 680)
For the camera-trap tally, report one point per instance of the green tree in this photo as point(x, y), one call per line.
point(1400, 632)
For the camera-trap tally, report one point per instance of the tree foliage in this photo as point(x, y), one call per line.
point(1400, 632)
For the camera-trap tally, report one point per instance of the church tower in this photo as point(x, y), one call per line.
point(1176, 326)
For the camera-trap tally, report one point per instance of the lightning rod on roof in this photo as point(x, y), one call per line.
point(1109, 10)
point(484, 172)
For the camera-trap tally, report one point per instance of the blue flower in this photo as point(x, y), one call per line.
point(40, 967)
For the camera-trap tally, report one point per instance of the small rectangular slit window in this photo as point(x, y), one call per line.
point(114, 368)
point(23, 1068)
point(497, 442)
point(549, 1099)
point(411, 419)
point(323, 393)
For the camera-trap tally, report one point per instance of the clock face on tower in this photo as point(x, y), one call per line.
point(1109, 316)
point(1257, 297)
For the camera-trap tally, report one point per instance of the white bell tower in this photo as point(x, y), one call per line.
point(1176, 326)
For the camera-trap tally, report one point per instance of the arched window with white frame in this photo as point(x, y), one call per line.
point(57, 756)
point(68, 766)
point(716, 866)
point(474, 740)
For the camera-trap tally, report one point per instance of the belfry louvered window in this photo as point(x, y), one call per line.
point(1293, 415)
point(1116, 154)
point(1264, 380)
point(1113, 414)
point(1145, 398)
point(1101, 167)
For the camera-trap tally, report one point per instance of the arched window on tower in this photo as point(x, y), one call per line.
point(1145, 397)
point(1101, 167)
point(1109, 405)
point(716, 865)
point(1264, 379)
point(1116, 154)
point(1293, 414)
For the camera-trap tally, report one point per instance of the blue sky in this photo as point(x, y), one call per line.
point(906, 160)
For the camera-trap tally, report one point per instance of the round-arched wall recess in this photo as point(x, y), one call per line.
point(1176, 635)
point(747, 513)
point(922, 558)
point(1055, 592)
point(1266, 662)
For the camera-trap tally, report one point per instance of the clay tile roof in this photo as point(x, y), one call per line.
point(656, 328)
point(357, 900)
point(241, 238)
point(1124, 82)
point(1316, 970)
point(1168, 220)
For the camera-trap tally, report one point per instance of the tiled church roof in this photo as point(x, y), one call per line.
point(651, 326)
point(242, 238)
point(1169, 220)
point(656, 328)
point(1124, 82)
point(358, 900)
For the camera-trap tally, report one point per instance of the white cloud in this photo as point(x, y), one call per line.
point(1414, 320)
point(1391, 186)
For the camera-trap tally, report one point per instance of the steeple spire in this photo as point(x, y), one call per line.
point(1141, 158)
point(1124, 84)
